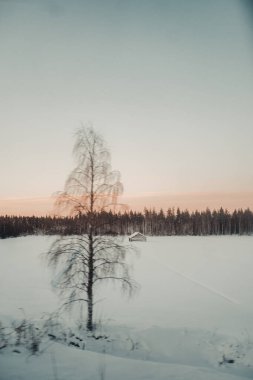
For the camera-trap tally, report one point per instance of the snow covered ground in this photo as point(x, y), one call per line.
point(191, 319)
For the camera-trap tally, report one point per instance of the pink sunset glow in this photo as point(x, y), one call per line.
point(42, 206)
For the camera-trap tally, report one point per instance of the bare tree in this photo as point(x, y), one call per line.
point(84, 261)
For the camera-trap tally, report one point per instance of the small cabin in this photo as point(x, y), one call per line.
point(137, 236)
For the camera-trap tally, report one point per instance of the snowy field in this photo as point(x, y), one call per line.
point(191, 319)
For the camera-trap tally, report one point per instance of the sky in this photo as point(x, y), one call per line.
point(168, 83)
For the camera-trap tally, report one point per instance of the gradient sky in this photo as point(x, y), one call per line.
point(168, 83)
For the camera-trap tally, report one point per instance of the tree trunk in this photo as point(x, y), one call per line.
point(89, 324)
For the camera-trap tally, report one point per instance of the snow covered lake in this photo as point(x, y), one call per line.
point(194, 308)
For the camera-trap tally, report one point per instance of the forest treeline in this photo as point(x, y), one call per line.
point(149, 222)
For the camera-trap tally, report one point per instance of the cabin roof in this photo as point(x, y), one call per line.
point(136, 234)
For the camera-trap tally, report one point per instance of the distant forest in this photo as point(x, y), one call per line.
point(150, 222)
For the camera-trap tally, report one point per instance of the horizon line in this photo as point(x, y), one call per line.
point(191, 201)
